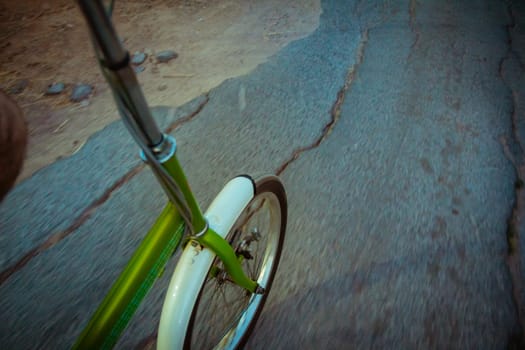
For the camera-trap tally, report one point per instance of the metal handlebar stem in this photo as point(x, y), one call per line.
point(137, 117)
point(114, 58)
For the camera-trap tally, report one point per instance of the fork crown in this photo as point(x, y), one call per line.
point(163, 151)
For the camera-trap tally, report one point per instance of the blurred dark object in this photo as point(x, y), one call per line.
point(13, 142)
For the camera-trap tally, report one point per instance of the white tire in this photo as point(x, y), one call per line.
point(194, 263)
point(204, 309)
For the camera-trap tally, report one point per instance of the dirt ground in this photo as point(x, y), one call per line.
point(43, 42)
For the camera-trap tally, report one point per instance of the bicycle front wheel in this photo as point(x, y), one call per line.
point(225, 314)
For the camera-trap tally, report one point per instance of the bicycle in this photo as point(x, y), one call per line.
point(232, 249)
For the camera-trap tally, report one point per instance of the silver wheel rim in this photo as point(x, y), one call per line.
point(264, 213)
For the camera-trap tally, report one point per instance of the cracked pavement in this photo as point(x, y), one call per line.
point(397, 128)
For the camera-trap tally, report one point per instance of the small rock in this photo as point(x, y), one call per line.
point(162, 87)
point(80, 92)
point(165, 56)
point(55, 88)
point(138, 58)
point(148, 52)
point(19, 86)
point(139, 69)
point(84, 103)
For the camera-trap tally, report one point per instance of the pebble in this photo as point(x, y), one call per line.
point(19, 86)
point(138, 58)
point(80, 92)
point(55, 88)
point(165, 56)
point(162, 87)
point(139, 69)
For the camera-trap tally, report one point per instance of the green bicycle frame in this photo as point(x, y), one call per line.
point(145, 266)
point(180, 214)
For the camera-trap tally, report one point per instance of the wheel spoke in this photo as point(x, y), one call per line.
point(222, 303)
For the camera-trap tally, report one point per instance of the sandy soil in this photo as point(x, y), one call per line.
point(45, 42)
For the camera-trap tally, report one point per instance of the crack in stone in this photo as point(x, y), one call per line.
point(57, 237)
point(189, 117)
point(513, 258)
point(413, 25)
point(88, 212)
point(412, 6)
point(512, 26)
point(335, 111)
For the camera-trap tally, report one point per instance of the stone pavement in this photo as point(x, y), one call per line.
point(397, 127)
